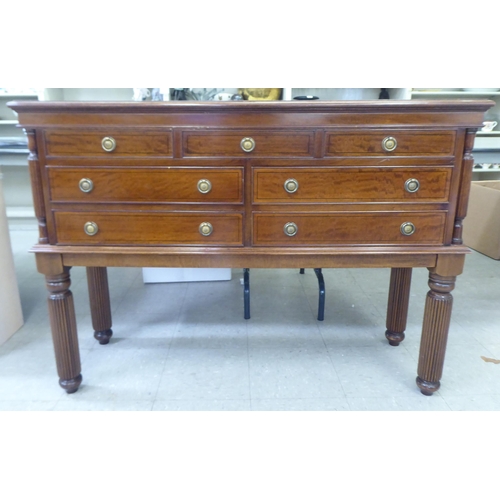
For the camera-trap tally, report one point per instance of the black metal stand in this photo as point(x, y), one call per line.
point(246, 292)
point(321, 284)
point(321, 303)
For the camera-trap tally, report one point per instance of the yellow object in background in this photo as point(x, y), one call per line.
point(260, 94)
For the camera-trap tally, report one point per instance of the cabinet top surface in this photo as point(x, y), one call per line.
point(374, 106)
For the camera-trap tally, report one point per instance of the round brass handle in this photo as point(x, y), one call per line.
point(247, 144)
point(290, 228)
point(389, 144)
point(407, 229)
point(90, 228)
point(291, 185)
point(108, 144)
point(412, 185)
point(86, 185)
point(204, 186)
point(206, 229)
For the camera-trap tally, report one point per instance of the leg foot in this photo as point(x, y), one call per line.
point(71, 385)
point(394, 338)
point(427, 388)
point(104, 336)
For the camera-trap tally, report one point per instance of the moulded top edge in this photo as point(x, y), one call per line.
point(377, 106)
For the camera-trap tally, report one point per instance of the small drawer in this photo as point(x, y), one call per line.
point(381, 228)
point(248, 143)
point(109, 143)
point(146, 185)
point(335, 185)
point(390, 143)
point(111, 228)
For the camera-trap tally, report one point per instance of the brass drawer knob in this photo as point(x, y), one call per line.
point(290, 228)
point(412, 185)
point(90, 228)
point(407, 229)
point(247, 144)
point(389, 144)
point(206, 229)
point(204, 186)
point(291, 185)
point(86, 185)
point(108, 144)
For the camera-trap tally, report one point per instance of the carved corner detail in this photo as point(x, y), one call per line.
point(36, 184)
point(465, 181)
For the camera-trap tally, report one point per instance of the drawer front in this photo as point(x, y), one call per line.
point(224, 143)
point(348, 228)
point(148, 229)
point(109, 143)
point(154, 185)
point(390, 143)
point(323, 185)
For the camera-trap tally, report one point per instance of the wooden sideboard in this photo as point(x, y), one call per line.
point(325, 184)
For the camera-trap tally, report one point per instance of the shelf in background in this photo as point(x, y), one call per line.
point(9, 122)
point(14, 151)
point(17, 96)
point(452, 93)
point(493, 133)
point(20, 212)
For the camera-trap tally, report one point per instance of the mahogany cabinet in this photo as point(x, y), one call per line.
point(322, 184)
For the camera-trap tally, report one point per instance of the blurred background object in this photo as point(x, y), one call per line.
point(261, 94)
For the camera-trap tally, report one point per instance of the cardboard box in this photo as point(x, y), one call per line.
point(482, 225)
point(180, 274)
point(11, 314)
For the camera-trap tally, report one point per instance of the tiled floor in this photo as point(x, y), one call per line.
point(186, 346)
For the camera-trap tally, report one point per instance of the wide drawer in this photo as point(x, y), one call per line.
point(248, 143)
point(348, 228)
point(391, 143)
point(144, 185)
point(103, 228)
point(323, 185)
point(109, 143)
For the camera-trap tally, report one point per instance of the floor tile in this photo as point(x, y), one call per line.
point(124, 369)
point(27, 405)
point(292, 374)
point(29, 375)
point(202, 405)
point(213, 374)
point(413, 403)
point(466, 374)
point(473, 403)
point(309, 404)
point(383, 371)
point(72, 402)
point(227, 335)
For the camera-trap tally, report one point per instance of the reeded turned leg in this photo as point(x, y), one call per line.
point(397, 305)
point(100, 307)
point(435, 327)
point(64, 333)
